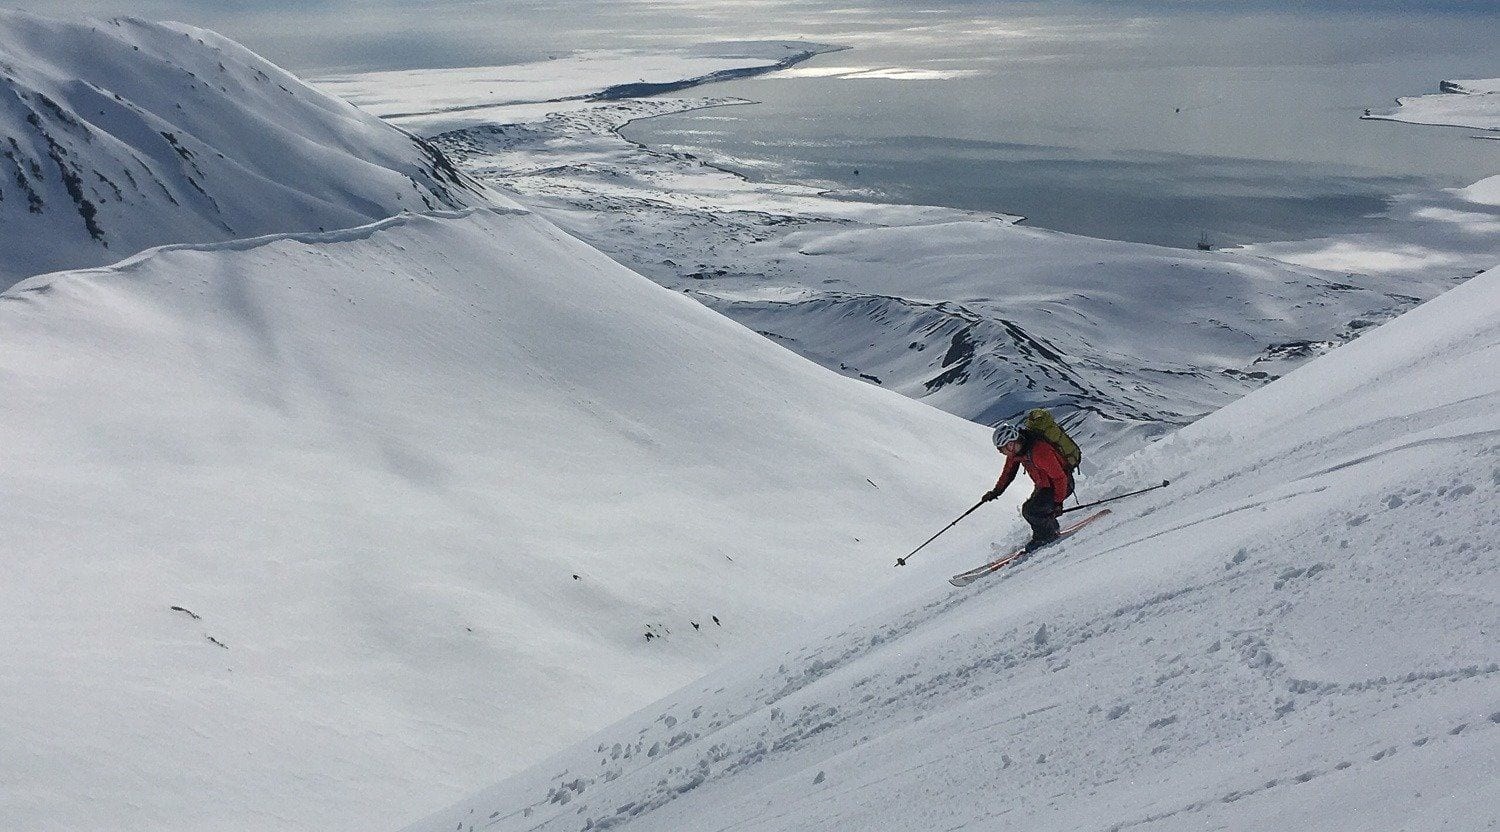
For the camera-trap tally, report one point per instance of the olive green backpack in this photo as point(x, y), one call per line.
point(1040, 421)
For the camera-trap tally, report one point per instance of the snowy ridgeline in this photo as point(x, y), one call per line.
point(969, 312)
point(1298, 634)
point(1473, 104)
point(420, 490)
point(120, 135)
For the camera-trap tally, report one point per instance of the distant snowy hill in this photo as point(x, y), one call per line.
point(314, 532)
point(117, 136)
point(1298, 634)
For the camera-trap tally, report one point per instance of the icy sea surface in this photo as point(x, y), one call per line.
point(1134, 128)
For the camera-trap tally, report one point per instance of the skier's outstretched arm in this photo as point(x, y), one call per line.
point(1012, 464)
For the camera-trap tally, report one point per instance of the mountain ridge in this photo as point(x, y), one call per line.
point(139, 134)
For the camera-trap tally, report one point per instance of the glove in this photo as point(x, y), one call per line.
point(990, 495)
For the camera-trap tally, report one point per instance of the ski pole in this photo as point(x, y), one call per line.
point(902, 561)
point(1164, 484)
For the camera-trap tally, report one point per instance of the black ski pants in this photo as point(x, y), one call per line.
point(1040, 510)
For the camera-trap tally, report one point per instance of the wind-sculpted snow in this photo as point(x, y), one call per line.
point(314, 531)
point(1297, 634)
point(965, 311)
point(121, 135)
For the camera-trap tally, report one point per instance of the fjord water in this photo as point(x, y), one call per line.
point(1144, 129)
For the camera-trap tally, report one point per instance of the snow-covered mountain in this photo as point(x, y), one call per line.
point(1298, 634)
point(315, 531)
point(120, 135)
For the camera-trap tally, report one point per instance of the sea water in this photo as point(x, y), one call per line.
point(1156, 129)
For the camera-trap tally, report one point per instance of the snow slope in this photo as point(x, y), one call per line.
point(120, 135)
point(420, 489)
point(1474, 104)
point(1298, 634)
point(968, 312)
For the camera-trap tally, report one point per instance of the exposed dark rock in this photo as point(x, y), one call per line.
point(74, 185)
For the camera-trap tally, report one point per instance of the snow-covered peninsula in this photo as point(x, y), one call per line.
point(1472, 104)
point(432, 101)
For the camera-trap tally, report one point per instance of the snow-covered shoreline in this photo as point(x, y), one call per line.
point(432, 101)
point(972, 325)
point(1468, 104)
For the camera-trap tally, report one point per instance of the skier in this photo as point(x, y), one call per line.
point(1049, 472)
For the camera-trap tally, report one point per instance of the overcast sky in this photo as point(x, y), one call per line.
point(313, 36)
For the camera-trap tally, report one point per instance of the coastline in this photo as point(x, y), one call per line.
point(646, 89)
point(1492, 133)
point(429, 102)
point(828, 192)
point(1472, 104)
point(968, 311)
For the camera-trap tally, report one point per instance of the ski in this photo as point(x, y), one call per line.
point(969, 577)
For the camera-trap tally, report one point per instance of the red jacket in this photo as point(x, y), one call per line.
point(1044, 465)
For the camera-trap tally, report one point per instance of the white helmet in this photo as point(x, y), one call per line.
point(1006, 432)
